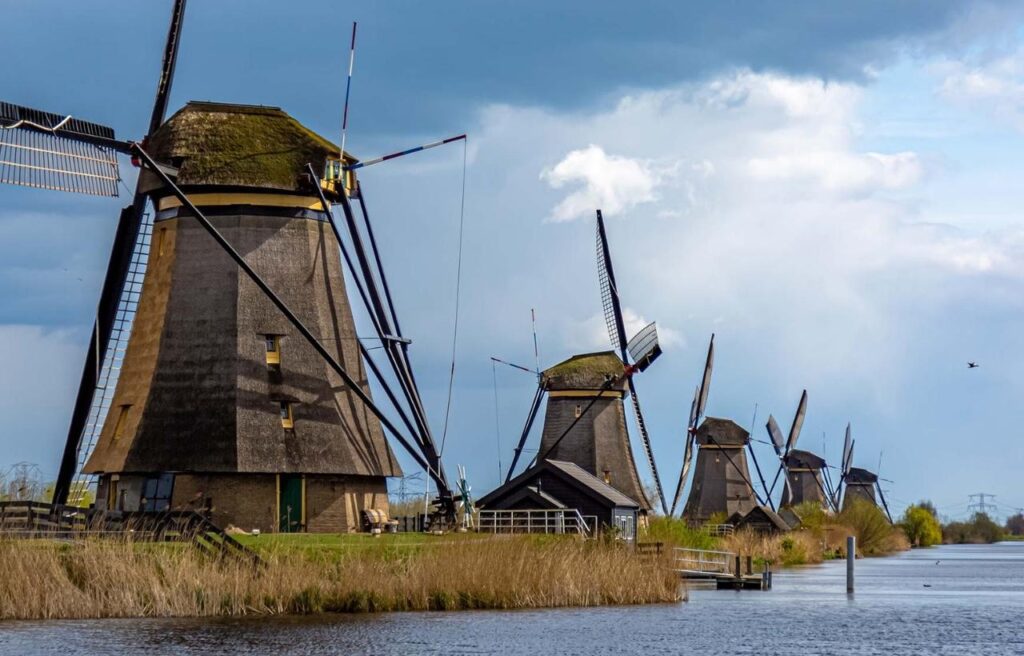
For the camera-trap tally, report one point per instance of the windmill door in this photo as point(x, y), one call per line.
point(290, 504)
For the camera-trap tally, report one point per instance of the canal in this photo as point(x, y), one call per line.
point(947, 600)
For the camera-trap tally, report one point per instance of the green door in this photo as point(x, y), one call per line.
point(290, 504)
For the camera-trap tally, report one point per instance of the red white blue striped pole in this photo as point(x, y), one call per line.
point(348, 87)
point(378, 160)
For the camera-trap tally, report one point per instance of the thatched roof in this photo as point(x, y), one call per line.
point(587, 371)
point(223, 144)
point(721, 432)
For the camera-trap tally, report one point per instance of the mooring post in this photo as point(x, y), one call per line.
point(851, 556)
point(739, 572)
point(750, 565)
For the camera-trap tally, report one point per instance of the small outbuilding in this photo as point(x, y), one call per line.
point(553, 496)
point(760, 519)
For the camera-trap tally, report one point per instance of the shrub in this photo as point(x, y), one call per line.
point(921, 527)
point(875, 535)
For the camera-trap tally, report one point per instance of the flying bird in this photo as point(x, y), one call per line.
point(972, 365)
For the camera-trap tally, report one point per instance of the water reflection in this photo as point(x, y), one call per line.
point(948, 600)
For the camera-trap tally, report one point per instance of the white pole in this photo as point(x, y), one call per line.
point(851, 556)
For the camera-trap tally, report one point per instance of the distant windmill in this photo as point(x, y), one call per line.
point(721, 479)
point(803, 479)
point(858, 483)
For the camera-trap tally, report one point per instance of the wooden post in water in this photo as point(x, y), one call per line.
point(851, 556)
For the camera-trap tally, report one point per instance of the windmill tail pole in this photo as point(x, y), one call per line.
point(348, 88)
point(760, 476)
point(402, 153)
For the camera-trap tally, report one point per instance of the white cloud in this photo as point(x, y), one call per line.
point(591, 334)
point(994, 85)
point(776, 230)
point(611, 183)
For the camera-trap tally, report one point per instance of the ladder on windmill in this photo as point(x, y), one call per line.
point(110, 369)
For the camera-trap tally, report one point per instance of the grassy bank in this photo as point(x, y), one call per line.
point(822, 536)
point(94, 578)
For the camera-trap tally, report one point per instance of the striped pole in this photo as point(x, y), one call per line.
point(378, 160)
point(348, 87)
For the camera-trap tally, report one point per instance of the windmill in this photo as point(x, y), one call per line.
point(243, 388)
point(584, 421)
point(643, 348)
point(466, 508)
point(721, 478)
point(803, 480)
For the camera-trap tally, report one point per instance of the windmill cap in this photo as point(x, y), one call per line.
point(804, 459)
point(721, 432)
point(587, 371)
point(232, 145)
point(858, 475)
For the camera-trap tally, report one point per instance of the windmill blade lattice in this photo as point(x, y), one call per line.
point(49, 151)
point(617, 333)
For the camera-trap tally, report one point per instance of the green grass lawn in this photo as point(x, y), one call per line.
point(330, 545)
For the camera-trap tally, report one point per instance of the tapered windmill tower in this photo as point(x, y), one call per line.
point(585, 421)
point(721, 478)
point(220, 403)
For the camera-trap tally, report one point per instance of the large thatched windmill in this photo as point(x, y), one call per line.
point(243, 388)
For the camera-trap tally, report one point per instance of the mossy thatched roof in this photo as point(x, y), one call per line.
point(222, 144)
point(584, 372)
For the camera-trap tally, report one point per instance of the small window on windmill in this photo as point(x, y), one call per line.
point(273, 346)
point(122, 416)
point(579, 410)
point(287, 420)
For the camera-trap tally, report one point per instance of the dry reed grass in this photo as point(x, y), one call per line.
point(94, 578)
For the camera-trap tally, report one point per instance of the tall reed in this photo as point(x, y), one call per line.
point(94, 578)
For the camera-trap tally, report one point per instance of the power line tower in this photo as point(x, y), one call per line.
point(981, 505)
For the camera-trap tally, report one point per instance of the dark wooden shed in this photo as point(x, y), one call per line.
point(555, 485)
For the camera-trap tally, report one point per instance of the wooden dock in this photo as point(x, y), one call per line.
point(723, 568)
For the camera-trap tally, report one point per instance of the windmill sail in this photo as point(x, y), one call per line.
point(644, 347)
point(61, 153)
point(617, 333)
point(775, 433)
point(700, 400)
point(123, 268)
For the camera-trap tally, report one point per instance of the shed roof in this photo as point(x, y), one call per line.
point(587, 371)
point(224, 144)
point(762, 517)
point(599, 487)
point(721, 432)
point(581, 478)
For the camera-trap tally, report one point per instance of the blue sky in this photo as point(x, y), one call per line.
point(834, 194)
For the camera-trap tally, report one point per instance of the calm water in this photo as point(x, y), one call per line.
point(948, 600)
